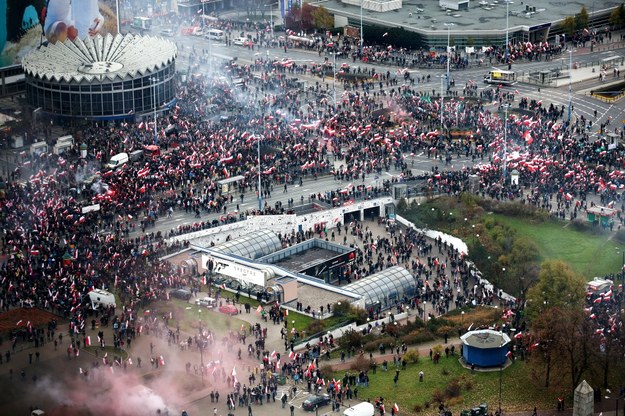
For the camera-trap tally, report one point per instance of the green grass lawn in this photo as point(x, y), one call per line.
point(517, 393)
point(588, 254)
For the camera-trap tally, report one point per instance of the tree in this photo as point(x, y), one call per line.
point(322, 18)
point(523, 264)
point(569, 26)
point(558, 287)
point(617, 17)
point(566, 346)
point(581, 19)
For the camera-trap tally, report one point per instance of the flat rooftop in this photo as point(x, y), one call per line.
point(305, 259)
point(485, 18)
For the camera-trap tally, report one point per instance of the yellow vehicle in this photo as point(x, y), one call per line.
point(500, 76)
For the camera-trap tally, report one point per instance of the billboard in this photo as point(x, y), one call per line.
point(26, 24)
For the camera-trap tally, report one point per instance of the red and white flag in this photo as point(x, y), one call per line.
point(88, 341)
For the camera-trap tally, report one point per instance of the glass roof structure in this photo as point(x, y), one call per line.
point(252, 246)
point(385, 288)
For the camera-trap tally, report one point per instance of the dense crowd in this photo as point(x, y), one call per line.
point(55, 253)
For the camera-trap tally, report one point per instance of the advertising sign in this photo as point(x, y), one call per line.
point(26, 24)
point(233, 269)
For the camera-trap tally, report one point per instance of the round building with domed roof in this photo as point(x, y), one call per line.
point(103, 77)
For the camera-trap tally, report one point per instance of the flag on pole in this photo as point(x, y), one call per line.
point(161, 360)
point(88, 341)
point(292, 355)
point(396, 408)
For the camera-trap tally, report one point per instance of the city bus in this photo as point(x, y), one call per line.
point(499, 76)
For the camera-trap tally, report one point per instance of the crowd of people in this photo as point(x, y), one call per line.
point(54, 253)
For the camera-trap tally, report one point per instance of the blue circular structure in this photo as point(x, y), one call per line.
point(485, 348)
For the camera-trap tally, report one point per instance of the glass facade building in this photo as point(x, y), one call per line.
point(101, 78)
point(252, 246)
point(385, 288)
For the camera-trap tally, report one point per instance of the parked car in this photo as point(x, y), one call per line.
point(168, 32)
point(180, 294)
point(206, 302)
point(314, 401)
point(229, 310)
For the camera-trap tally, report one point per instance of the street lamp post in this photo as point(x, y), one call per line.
point(154, 80)
point(201, 345)
point(508, 2)
point(334, 69)
point(260, 197)
point(271, 17)
point(362, 35)
point(505, 141)
point(568, 123)
point(501, 372)
point(448, 51)
point(442, 104)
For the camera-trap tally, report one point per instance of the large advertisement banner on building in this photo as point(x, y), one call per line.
point(26, 24)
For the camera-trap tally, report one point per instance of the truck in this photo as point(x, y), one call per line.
point(101, 299)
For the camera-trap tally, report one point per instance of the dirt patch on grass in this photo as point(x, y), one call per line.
point(37, 317)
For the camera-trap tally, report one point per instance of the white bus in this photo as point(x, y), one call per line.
point(141, 23)
point(215, 34)
point(499, 76)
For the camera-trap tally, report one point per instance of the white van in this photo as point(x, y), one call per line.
point(101, 298)
point(360, 409)
point(598, 285)
point(117, 161)
point(215, 34)
point(61, 147)
point(65, 139)
point(39, 148)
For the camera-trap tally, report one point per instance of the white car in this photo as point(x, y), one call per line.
point(239, 41)
point(206, 302)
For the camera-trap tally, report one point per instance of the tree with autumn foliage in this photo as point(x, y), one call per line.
point(566, 345)
point(308, 18)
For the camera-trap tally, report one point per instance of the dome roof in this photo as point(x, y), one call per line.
point(100, 58)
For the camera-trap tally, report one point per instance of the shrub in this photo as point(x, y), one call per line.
point(453, 388)
point(315, 327)
point(417, 337)
point(445, 329)
point(444, 372)
point(326, 370)
point(351, 339)
point(438, 396)
point(438, 349)
point(375, 344)
point(468, 384)
point(427, 404)
point(393, 330)
point(412, 356)
point(417, 408)
point(361, 363)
